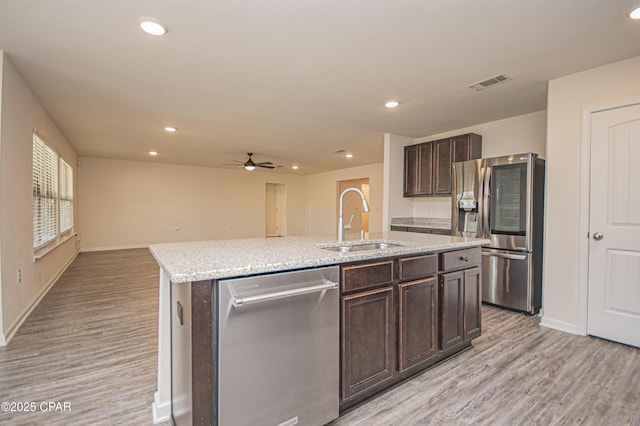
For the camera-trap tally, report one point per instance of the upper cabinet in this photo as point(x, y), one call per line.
point(427, 166)
point(417, 178)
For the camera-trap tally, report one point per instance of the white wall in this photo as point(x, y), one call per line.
point(524, 133)
point(395, 205)
point(137, 203)
point(321, 190)
point(20, 113)
point(563, 308)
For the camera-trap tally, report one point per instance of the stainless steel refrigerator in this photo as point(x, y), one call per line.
point(502, 199)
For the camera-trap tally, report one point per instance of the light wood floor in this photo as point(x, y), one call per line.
point(517, 373)
point(92, 342)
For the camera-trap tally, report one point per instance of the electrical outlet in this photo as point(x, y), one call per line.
point(19, 276)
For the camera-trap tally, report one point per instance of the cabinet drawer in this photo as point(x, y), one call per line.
point(413, 268)
point(369, 275)
point(459, 259)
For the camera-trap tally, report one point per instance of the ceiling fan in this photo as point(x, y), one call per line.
point(250, 164)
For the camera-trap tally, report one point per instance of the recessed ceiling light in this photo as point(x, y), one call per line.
point(635, 13)
point(349, 155)
point(152, 26)
point(392, 104)
point(170, 129)
point(154, 153)
point(295, 167)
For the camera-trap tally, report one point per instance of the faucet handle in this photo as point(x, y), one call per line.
point(348, 225)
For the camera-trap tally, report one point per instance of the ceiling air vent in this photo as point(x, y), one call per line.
point(481, 85)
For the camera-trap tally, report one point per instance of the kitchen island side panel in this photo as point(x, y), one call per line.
point(192, 365)
point(202, 372)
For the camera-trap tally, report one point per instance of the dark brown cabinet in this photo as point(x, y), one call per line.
point(460, 297)
point(417, 165)
point(472, 303)
point(417, 312)
point(442, 167)
point(466, 147)
point(452, 309)
point(368, 341)
point(418, 325)
point(367, 335)
point(404, 314)
point(427, 166)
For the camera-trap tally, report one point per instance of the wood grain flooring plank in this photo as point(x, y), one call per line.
point(92, 342)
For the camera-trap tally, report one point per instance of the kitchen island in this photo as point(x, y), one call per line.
point(211, 261)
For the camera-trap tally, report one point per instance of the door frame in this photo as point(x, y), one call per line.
point(585, 191)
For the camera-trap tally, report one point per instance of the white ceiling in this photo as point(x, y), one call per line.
point(294, 81)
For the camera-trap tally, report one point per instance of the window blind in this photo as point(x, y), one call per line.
point(66, 196)
point(45, 193)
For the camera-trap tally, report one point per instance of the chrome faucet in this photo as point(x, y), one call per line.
point(365, 208)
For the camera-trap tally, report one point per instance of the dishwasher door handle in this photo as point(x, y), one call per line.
point(505, 256)
point(241, 301)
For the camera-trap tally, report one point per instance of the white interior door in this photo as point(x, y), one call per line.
point(270, 216)
point(281, 209)
point(614, 228)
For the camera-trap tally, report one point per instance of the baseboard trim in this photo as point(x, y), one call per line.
point(161, 409)
point(109, 248)
point(559, 325)
point(5, 339)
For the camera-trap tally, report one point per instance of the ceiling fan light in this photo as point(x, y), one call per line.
point(249, 167)
point(635, 13)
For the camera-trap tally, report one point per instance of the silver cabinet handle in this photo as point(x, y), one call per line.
point(598, 236)
point(240, 301)
point(505, 256)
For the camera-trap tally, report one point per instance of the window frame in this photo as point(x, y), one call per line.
point(48, 197)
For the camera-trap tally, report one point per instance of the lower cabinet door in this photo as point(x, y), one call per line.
point(451, 309)
point(367, 341)
point(472, 303)
point(418, 322)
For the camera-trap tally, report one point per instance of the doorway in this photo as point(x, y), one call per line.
point(352, 211)
point(613, 289)
point(275, 210)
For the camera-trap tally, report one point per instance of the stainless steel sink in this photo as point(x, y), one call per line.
point(360, 247)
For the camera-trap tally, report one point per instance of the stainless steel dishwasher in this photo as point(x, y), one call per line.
point(278, 352)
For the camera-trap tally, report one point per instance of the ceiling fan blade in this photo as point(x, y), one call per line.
point(264, 166)
point(232, 164)
point(266, 163)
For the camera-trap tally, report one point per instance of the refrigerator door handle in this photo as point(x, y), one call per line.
point(505, 256)
point(486, 231)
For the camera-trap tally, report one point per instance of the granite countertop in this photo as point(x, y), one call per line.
point(422, 222)
point(204, 260)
